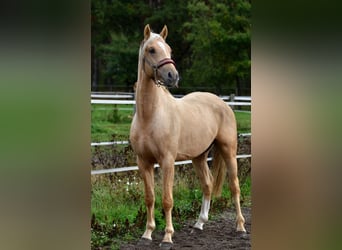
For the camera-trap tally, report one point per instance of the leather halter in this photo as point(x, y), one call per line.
point(157, 66)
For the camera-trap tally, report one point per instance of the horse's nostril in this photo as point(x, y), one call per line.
point(169, 75)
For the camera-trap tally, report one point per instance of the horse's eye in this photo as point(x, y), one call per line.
point(151, 50)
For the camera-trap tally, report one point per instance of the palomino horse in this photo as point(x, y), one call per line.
point(165, 129)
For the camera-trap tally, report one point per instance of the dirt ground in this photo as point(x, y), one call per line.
point(217, 234)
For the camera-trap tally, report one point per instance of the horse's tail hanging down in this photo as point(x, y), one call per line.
point(219, 172)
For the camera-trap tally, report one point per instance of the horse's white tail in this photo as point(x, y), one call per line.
point(219, 172)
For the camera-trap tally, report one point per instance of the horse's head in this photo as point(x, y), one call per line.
point(155, 54)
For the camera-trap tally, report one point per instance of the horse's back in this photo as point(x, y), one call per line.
point(202, 97)
point(207, 104)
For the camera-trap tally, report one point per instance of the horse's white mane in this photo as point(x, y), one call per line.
point(142, 49)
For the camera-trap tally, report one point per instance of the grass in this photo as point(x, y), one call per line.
point(243, 120)
point(108, 121)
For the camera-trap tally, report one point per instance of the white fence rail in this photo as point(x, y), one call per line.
point(128, 95)
point(99, 101)
point(96, 101)
point(132, 168)
point(116, 96)
point(107, 143)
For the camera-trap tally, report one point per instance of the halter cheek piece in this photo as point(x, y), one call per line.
point(157, 66)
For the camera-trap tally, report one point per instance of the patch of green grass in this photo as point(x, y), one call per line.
point(117, 207)
point(105, 197)
point(108, 121)
point(243, 120)
point(245, 189)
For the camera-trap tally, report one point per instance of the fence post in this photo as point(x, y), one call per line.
point(232, 99)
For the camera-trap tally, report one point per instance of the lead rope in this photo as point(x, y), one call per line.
point(157, 82)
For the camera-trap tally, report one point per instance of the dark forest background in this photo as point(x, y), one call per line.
point(210, 41)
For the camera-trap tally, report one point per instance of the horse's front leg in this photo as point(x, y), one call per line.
point(147, 173)
point(168, 176)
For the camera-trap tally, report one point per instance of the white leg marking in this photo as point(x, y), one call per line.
point(203, 217)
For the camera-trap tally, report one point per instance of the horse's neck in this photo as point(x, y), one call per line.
point(148, 98)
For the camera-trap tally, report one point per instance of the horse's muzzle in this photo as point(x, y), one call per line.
point(172, 79)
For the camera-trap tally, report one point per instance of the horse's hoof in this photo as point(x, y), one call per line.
point(144, 242)
point(196, 230)
point(242, 235)
point(166, 245)
point(198, 226)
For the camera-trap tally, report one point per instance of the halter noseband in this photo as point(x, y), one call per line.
point(157, 66)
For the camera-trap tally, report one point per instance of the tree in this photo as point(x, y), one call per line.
point(219, 33)
point(115, 42)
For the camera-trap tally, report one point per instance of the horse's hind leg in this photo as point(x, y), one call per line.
point(206, 179)
point(147, 173)
point(229, 155)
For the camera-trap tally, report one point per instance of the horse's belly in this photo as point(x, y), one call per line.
point(193, 148)
point(183, 157)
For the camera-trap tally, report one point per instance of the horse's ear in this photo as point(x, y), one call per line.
point(147, 32)
point(164, 32)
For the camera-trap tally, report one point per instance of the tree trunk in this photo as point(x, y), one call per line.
point(94, 70)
